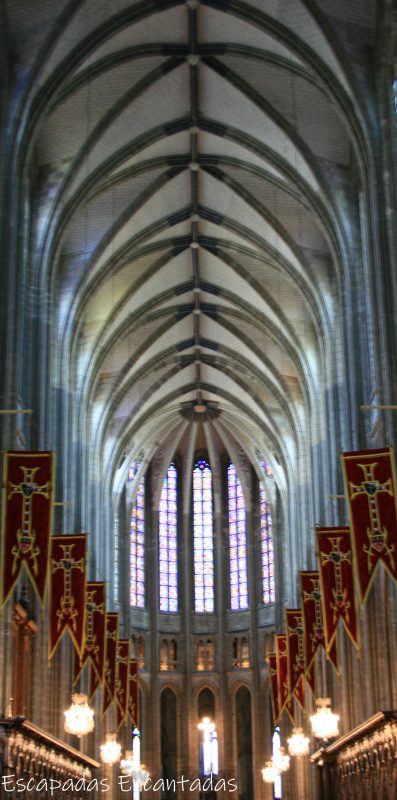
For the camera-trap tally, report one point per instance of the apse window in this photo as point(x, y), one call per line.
point(237, 543)
point(267, 552)
point(168, 655)
point(241, 655)
point(205, 655)
point(137, 549)
point(168, 556)
point(138, 650)
point(203, 538)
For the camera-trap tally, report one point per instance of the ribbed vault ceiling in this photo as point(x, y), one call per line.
point(192, 164)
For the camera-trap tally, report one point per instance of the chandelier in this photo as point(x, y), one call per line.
point(206, 726)
point(298, 743)
point(79, 718)
point(278, 764)
point(137, 772)
point(324, 723)
point(269, 772)
point(110, 750)
point(281, 760)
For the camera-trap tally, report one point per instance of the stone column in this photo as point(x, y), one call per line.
point(257, 701)
point(154, 749)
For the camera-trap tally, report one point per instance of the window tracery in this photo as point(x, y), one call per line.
point(205, 655)
point(138, 649)
point(240, 650)
point(168, 655)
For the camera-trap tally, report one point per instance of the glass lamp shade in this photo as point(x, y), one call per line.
point(324, 723)
point(206, 725)
point(136, 771)
point(110, 750)
point(281, 760)
point(127, 764)
point(141, 775)
point(298, 743)
point(269, 772)
point(79, 718)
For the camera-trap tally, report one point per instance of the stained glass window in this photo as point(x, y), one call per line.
point(205, 655)
point(168, 556)
point(267, 554)
point(203, 539)
point(133, 469)
point(237, 543)
point(137, 549)
point(266, 469)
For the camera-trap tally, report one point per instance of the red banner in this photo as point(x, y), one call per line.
point(112, 635)
point(337, 584)
point(273, 683)
point(94, 640)
point(370, 486)
point(284, 700)
point(133, 694)
point(296, 655)
point(93, 683)
point(122, 682)
point(310, 676)
point(313, 625)
point(67, 590)
point(28, 480)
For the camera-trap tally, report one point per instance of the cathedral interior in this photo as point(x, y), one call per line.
point(198, 315)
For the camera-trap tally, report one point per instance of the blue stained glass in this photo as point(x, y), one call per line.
point(237, 542)
point(267, 553)
point(137, 548)
point(168, 567)
point(266, 469)
point(203, 541)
